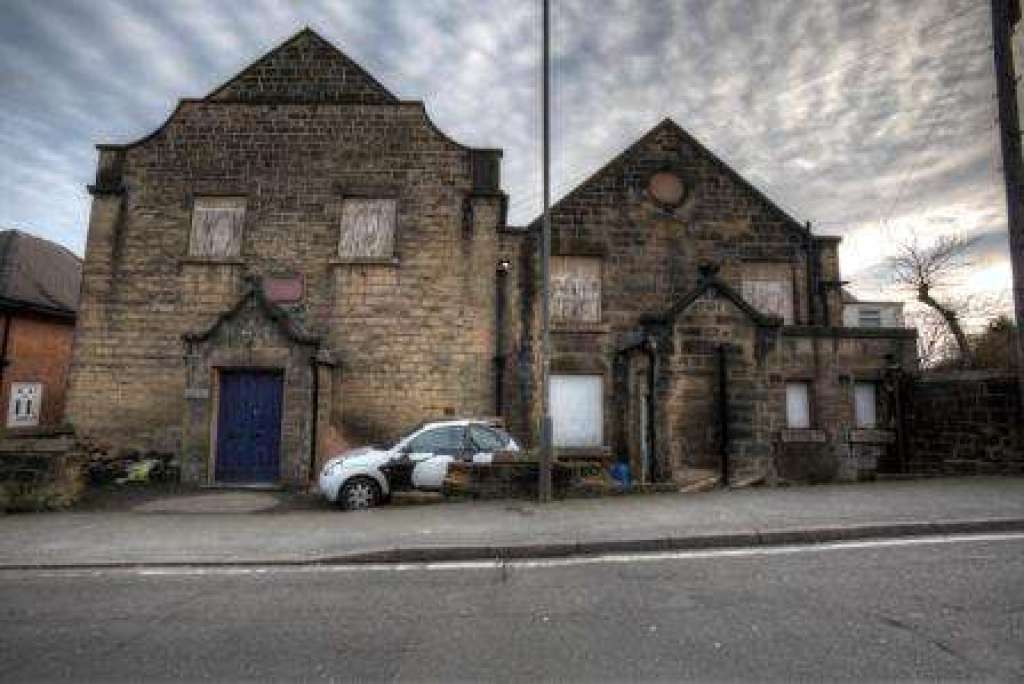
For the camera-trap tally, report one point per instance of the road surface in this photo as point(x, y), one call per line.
point(922, 608)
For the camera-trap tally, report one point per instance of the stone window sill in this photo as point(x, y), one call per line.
point(803, 435)
point(595, 452)
point(367, 261)
point(579, 327)
point(872, 436)
point(212, 261)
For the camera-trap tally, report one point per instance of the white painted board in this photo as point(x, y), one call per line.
point(798, 405)
point(865, 402)
point(577, 410)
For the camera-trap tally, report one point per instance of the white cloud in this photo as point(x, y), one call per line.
point(866, 117)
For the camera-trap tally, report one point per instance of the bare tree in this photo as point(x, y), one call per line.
point(938, 266)
point(935, 346)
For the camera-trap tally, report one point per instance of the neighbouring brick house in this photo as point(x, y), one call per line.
point(300, 261)
point(39, 284)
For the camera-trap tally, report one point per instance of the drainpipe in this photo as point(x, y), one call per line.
point(500, 280)
point(894, 370)
point(723, 416)
point(3, 348)
point(651, 349)
point(314, 368)
point(812, 276)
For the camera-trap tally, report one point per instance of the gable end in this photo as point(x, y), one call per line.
point(788, 220)
point(304, 69)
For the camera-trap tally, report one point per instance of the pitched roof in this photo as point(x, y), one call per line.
point(38, 274)
point(668, 123)
point(304, 68)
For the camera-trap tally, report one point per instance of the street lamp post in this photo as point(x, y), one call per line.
point(546, 456)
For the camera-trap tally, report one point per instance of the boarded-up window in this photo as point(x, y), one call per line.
point(865, 403)
point(577, 414)
point(367, 229)
point(217, 226)
point(773, 297)
point(798, 405)
point(576, 289)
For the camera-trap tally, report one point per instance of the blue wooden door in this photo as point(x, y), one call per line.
point(249, 427)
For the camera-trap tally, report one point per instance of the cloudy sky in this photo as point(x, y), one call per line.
point(870, 119)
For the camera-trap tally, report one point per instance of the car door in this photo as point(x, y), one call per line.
point(432, 450)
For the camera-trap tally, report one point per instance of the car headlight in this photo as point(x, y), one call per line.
point(331, 467)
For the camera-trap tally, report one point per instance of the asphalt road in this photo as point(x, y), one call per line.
point(886, 610)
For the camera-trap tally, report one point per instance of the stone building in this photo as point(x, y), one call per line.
point(696, 325)
point(296, 261)
point(301, 261)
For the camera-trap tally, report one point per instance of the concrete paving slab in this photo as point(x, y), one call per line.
point(212, 502)
point(59, 539)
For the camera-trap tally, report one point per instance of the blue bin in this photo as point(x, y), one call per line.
point(620, 473)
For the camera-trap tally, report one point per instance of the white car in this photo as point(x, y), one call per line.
point(363, 477)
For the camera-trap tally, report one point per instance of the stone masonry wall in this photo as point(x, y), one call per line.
point(966, 423)
point(652, 256)
point(413, 336)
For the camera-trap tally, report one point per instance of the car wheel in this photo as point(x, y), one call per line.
point(359, 493)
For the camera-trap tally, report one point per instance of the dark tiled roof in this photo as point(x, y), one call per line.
point(38, 274)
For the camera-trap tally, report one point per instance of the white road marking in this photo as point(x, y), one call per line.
point(652, 557)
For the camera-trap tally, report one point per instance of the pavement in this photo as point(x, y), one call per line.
point(252, 528)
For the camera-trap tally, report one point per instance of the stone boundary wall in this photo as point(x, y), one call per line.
point(965, 423)
point(39, 470)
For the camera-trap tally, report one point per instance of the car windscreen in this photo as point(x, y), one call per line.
point(488, 439)
point(405, 436)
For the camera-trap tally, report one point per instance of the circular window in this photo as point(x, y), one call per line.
point(666, 188)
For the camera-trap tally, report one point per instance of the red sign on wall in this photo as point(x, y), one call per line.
point(283, 290)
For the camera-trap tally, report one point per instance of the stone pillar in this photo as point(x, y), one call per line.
point(325, 404)
point(99, 269)
point(195, 437)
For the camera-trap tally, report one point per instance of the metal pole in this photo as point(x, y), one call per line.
point(544, 483)
point(1004, 16)
point(723, 416)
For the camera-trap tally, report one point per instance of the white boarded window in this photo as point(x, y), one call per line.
point(577, 410)
point(217, 226)
point(798, 405)
point(773, 297)
point(367, 229)
point(865, 404)
point(26, 401)
point(576, 289)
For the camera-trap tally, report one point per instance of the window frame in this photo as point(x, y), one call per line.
point(348, 201)
point(242, 207)
point(557, 317)
point(857, 422)
point(601, 410)
point(786, 289)
point(809, 410)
